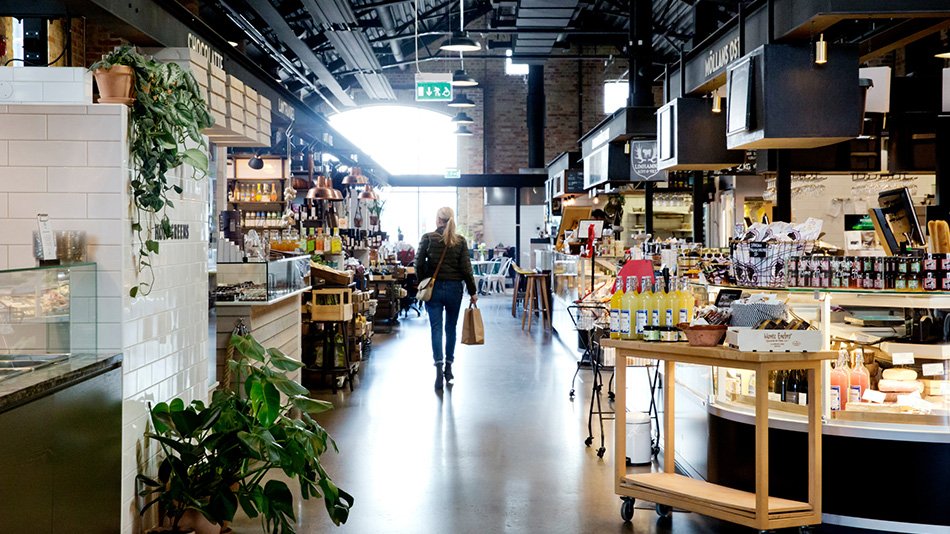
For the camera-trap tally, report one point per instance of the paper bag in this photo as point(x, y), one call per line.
point(473, 330)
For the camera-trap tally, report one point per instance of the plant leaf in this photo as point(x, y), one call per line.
point(151, 245)
point(271, 407)
point(308, 405)
point(196, 158)
point(287, 386)
point(283, 362)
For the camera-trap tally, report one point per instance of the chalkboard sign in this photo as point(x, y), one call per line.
point(757, 249)
point(575, 181)
point(739, 104)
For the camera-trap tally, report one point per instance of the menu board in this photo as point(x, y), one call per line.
point(739, 108)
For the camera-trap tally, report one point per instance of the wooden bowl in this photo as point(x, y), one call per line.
point(704, 335)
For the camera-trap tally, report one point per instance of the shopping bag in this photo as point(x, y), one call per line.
point(473, 330)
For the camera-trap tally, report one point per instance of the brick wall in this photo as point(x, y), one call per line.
point(99, 40)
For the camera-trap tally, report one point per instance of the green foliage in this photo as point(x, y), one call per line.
point(216, 457)
point(164, 132)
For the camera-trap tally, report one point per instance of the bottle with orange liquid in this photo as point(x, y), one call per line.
point(860, 377)
point(840, 382)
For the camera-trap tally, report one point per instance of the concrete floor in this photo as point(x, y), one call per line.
point(501, 451)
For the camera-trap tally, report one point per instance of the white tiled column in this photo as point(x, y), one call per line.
point(71, 161)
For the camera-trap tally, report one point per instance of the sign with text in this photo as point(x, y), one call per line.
point(453, 174)
point(644, 162)
point(433, 87)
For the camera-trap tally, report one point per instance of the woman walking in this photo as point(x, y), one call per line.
point(443, 254)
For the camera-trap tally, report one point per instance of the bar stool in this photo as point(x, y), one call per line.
point(520, 276)
point(536, 292)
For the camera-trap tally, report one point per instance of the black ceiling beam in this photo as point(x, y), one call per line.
point(468, 180)
point(384, 3)
point(899, 35)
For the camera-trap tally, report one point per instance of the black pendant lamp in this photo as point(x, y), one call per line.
point(463, 131)
point(460, 100)
point(460, 41)
point(461, 79)
point(462, 118)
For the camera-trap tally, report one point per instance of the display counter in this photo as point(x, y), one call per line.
point(901, 449)
point(571, 276)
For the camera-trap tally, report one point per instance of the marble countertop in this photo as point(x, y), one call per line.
point(24, 388)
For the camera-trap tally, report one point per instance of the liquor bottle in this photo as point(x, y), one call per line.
point(644, 303)
point(265, 193)
point(840, 382)
point(656, 302)
point(616, 304)
point(791, 387)
point(318, 241)
point(327, 242)
point(781, 380)
point(336, 244)
point(669, 305)
point(258, 194)
point(860, 377)
point(273, 192)
point(774, 394)
point(802, 387)
point(628, 310)
point(686, 301)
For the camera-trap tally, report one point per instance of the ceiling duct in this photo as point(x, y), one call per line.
point(541, 14)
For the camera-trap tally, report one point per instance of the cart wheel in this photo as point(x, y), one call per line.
point(664, 511)
point(589, 440)
point(600, 452)
point(766, 532)
point(626, 509)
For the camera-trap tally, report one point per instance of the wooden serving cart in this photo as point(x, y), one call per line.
point(669, 489)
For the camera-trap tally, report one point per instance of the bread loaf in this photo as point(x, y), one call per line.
point(900, 386)
point(943, 236)
point(900, 374)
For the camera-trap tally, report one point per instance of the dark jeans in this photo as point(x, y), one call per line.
point(446, 295)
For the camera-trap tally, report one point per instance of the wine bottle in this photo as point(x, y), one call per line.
point(802, 387)
point(780, 383)
point(791, 387)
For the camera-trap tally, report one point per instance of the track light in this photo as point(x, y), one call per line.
point(716, 102)
point(821, 50)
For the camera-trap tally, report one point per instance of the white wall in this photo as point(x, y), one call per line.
point(71, 161)
point(500, 227)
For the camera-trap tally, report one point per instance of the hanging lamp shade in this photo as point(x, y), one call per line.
point(319, 191)
point(461, 79)
point(334, 194)
point(461, 100)
point(462, 118)
point(459, 41)
point(368, 193)
point(463, 131)
point(355, 178)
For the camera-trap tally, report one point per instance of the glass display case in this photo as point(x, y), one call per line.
point(572, 276)
point(261, 282)
point(48, 310)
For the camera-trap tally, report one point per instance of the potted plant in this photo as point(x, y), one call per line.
point(165, 126)
point(217, 456)
point(375, 210)
point(114, 76)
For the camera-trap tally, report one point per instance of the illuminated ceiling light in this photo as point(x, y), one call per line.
point(461, 79)
point(944, 53)
point(821, 50)
point(462, 118)
point(460, 41)
point(460, 100)
point(716, 102)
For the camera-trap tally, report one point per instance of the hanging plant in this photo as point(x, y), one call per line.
point(165, 126)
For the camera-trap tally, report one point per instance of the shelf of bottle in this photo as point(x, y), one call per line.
point(256, 201)
point(258, 179)
point(265, 227)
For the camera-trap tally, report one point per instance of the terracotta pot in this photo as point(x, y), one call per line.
point(198, 523)
point(115, 84)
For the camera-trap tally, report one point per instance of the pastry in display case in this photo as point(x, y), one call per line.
point(50, 309)
point(261, 282)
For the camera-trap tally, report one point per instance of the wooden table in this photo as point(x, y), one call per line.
point(668, 489)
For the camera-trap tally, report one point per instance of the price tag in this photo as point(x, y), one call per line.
point(932, 369)
point(872, 395)
point(757, 249)
point(902, 358)
point(46, 236)
point(910, 399)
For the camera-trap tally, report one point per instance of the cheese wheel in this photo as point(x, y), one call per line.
point(899, 386)
point(900, 374)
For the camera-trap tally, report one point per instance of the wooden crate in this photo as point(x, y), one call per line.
point(332, 276)
point(342, 311)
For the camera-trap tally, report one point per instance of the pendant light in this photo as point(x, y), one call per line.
point(460, 100)
point(368, 193)
point(459, 41)
point(821, 50)
point(355, 178)
point(462, 118)
point(461, 79)
point(944, 52)
point(463, 131)
point(716, 102)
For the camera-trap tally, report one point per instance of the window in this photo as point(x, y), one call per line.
point(412, 210)
point(615, 95)
point(514, 69)
point(403, 139)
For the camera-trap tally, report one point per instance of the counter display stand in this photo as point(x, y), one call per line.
point(668, 489)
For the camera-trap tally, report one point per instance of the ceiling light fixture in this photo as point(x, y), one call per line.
point(368, 193)
point(463, 131)
point(944, 53)
point(459, 41)
point(256, 162)
point(462, 118)
point(821, 50)
point(716, 102)
point(460, 100)
point(461, 79)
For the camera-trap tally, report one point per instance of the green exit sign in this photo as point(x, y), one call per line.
point(433, 87)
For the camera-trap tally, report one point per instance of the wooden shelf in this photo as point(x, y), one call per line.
point(680, 491)
point(936, 351)
point(686, 353)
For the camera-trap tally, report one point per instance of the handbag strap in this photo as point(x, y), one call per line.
point(435, 275)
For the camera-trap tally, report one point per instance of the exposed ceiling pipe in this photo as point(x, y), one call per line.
point(386, 19)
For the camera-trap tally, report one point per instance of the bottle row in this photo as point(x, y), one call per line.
point(260, 192)
point(261, 219)
point(643, 302)
point(929, 272)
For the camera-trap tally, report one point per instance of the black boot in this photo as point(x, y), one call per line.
point(438, 376)
point(449, 377)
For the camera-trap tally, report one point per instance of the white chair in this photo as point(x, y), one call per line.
point(496, 280)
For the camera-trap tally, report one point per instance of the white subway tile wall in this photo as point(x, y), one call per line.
point(71, 161)
point(42, 85)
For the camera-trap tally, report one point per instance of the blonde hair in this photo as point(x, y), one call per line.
point(446, 217)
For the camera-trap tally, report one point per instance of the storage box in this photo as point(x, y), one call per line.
point(332, 276)
point(342, 310)
point(750, 340)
